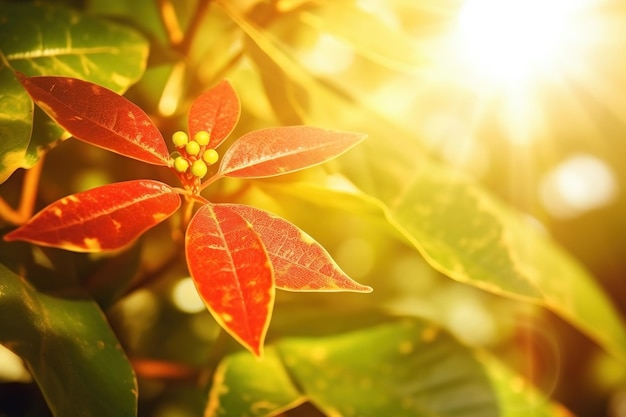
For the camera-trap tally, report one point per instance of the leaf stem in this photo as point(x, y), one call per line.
point(30, 186)
point(210, 181)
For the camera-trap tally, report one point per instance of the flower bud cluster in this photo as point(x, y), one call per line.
point(192, 156)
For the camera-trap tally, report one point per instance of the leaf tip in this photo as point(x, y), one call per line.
point(20, 76)
point(13, 235)
point(366, 289)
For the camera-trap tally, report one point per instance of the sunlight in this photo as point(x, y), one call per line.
point(508, 41)
point(329, 55)
point(512, 49)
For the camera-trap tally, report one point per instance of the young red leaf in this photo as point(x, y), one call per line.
point(279, 150)
point(299, 262)
point(215, 111)
point(232, 272)
point(98, 116)
point(103, 218)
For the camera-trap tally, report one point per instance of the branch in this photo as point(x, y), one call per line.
point(24, 211)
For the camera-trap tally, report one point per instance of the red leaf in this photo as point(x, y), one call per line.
point(98, 116)
point(232, 272)
point(103, 218)
point(279, 150)
point(215, 111)
point(300, 263)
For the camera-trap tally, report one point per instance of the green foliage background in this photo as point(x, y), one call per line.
point(476, 311)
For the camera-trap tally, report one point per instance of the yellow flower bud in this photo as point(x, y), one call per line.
point(202, 137)
point(199, 168)
point(210, 156)
point(180, 139)
point(181, 164)
point(192, 148)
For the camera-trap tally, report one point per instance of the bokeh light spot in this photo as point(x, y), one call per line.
point(578, 185)
point(185, 296)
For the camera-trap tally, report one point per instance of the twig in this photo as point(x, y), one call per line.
point(170, 22)
point(179, 40)
point(30, 185)
point(163, 370)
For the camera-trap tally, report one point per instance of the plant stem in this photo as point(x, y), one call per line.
point(170, 22)
point(179, 40)
point(30, 185)
point(187, 212)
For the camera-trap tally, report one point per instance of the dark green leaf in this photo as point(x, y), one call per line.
point(45, 40)
point(69, 347)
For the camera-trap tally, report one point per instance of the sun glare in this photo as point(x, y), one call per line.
point(511, 50)
point(508, 41)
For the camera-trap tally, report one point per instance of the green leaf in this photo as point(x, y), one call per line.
point(276, 65)
point(268, 387)
point(472, 237)
point(460, 229)
point(16, 116)
point(516, 396)
point(45, 40)
point(348, 22)
point(401, 368)
point(68, 346)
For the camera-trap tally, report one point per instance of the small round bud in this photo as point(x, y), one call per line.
point(202, 137)
point(210, 156)
point(180, 139)
point(199, 168)
point(181, 164)
point(192, 148)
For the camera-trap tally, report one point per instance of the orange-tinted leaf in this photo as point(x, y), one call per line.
point(299, 262)
point(231, 269)
point(279, 150)
point(215, 111)
point(98, 116)
point(103, 218)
